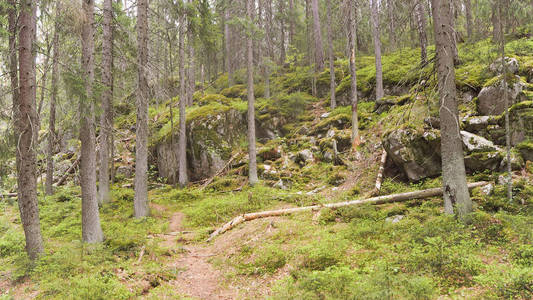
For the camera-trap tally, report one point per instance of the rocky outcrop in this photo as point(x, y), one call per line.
point(210, 140)
point(511, 66)
point(416, 153)
point(490, 98)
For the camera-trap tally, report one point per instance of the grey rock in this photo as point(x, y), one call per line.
point(511, 65)
point(476, 123)
point(490, 99)
point(394, 219)
point(488, 189)
point(305, 156)
point(476, 143)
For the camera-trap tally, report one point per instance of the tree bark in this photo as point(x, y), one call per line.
point(25, 121)
point(191, 66)
point(495, 19)
point(292, 17)
point(106, 119)
point(53, 99)
point(270, 45)
point(377, 48)
point(506, 101)
point(332, 85)
point(319, 48)
point(282, 55)
point(375, 200)
point(227, 42)
point(456, 196)
point(182, 140)
point(468, 12)
point(353, 80)
point(91, 229)
point(141, 154)
point(421, 28)
point(252, 166)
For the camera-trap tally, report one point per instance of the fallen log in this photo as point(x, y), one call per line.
point(375, 200)
point(9, 195)
point(379, 179)
point(65, 176)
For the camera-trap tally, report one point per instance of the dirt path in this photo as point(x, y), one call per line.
point(199, 279)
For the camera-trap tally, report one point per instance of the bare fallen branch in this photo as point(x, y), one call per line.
point(375, 200)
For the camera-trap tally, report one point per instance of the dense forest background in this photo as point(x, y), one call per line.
point(308, 149)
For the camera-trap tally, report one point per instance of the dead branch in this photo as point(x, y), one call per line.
point(220, 171)
point(375, 200)
point(379, 179)
point(65, 176)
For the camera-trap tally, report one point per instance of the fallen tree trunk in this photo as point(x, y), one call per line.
point(379, 179)
point(9, 195)
point(65, 176)
point(375, 200)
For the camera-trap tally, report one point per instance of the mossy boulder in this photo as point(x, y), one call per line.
point(416, 153)
point(491, 98)
point(526, 150)
point(485, 160)
point(211, 136)
point(521, 122)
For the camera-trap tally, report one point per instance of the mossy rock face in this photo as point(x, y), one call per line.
point(526, 150)
point(480, 161)
point(521, 122)
point(235, 91)
point(210, 140)
point(211, 98)
point(416, 153)
point(490, 99)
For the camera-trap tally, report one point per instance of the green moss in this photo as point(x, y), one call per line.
point(235, 91)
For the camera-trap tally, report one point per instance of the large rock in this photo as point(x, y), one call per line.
point(521, 122)
point(210, 140)
point(491, 101)
point(511, 65)
point(416, 153)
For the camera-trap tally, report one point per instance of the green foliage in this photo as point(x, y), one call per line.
point(266, 260)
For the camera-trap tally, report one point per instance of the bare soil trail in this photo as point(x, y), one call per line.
point(198, 278)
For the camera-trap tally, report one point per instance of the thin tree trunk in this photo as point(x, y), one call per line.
point(25, 121)
point(319, 48)
point(292, 18)
point(282, 55)
point(53, 99)
point(506, 101)
point(495, 19)
point(353, 81)
point(332, 84)
point(270, 46)
point(456, 196)
point(141, 154)
point(91, 229)
point(227, 43)
point(252, 166)
point(377, 49)
point(468, 12)
point(191, 70)
point(182, 142)
point(106, 125)
point(309, 46)
point(392, 24)
point(421, 28)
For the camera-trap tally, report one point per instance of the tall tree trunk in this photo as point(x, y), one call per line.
point(421, 28)
point(91, 229)
point(392, 24)
point(106, 122)
point(270, 45)
point(506, 101)
point(141, 154)
point(292, 17)
point(182, 142)
point(332, 84)
point(319, 48)
point(468, 12)
point(282, 55)
point(227, 43)
point(456, 195)
point(25, 121)
point(53, 100)
point(309, 46)
point(377, 49)
point(495, 19)
point(252, 166)
point(191, 73)
point(353, 81)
